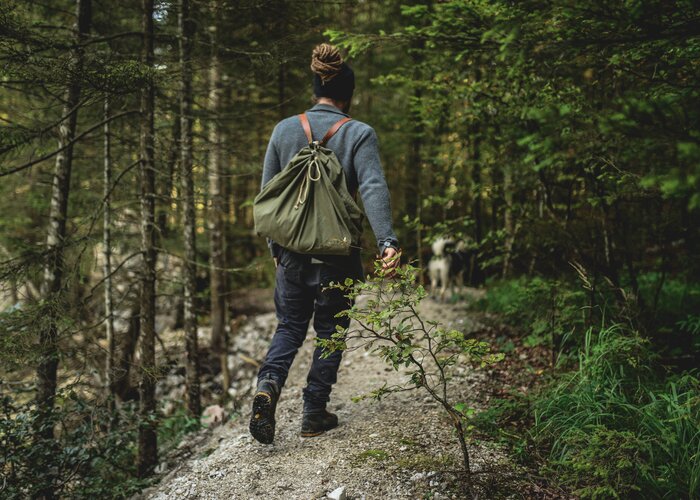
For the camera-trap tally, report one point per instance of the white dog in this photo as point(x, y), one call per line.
point(447, 266)
point(439, 268)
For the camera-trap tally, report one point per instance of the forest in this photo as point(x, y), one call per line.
point(557, 141)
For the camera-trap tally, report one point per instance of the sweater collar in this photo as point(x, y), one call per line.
point(328, 107)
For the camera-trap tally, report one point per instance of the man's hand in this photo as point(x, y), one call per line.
point(391, 258)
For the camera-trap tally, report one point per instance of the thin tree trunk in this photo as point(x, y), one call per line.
point(508, 219)
point(477, 274)
point(107, 269)
point(52, 284)
point(53, 271)
point(148, 446)
point(189, 222)
point(217, 264)
point(167, 191)
point(125, 357)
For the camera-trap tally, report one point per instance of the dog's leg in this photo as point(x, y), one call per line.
point(460, 283)
point(445, 279)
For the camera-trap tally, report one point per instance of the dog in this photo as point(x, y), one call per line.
point(450, 260)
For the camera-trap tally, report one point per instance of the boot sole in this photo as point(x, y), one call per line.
point(262, 421)
point(311, 434)
point(308, 434)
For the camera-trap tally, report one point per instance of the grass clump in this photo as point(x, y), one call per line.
point(618, 415)
point(372, 454)
point(614, 430)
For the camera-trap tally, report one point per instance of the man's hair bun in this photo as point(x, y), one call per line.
point(326, 61)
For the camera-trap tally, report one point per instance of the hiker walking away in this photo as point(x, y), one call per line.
point(301, 278)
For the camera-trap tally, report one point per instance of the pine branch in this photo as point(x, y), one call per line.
point(47, 156)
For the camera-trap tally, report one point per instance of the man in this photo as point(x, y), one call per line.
point(301, 279)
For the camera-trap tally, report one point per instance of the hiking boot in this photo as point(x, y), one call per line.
point(262, 420)
point(317, 422)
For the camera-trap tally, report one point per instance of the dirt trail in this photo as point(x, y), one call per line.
point(400, 447)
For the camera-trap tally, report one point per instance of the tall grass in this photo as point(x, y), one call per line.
point(613, 422)
point(614, 430)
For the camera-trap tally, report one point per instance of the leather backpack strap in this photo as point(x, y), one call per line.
point(331, 132)
point(307, 128)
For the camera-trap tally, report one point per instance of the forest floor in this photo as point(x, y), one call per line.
point(399, 447)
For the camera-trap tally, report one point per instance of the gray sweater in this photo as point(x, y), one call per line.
point(356, 147)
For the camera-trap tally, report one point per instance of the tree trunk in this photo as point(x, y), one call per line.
point(125, 358)
point(413, 193)
point(52, 284)
point(55, 241)
point(107, 269)
point(167, 190)
point(508, 219)
point(216, 236)
point(477, 273)
point(189, 222)
point(148, 447)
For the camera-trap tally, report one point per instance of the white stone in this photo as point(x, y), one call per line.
point(338, 494)
point(217, 474)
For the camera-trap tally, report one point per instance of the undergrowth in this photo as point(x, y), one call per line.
point(87, 459)
point(611, 420)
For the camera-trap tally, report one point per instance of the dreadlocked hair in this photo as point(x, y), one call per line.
point(326, 61)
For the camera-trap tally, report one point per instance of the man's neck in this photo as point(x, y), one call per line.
point(331, 102)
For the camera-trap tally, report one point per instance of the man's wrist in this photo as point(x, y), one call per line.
point(388, 243)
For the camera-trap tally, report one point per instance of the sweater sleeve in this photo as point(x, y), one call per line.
point(373, 189)
point(271, 167)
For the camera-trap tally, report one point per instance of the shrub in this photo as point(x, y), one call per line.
point(548, 311)
point(386, 321)
point(85, 461)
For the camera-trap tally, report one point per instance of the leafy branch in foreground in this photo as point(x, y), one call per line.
point(387, 321)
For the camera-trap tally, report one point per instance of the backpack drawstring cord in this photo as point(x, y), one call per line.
point(306, 182)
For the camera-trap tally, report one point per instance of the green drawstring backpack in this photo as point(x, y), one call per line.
point(306, 207)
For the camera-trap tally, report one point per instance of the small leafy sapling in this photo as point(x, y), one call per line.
point(386, 321)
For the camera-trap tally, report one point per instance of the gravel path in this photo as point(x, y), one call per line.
point(399, 447)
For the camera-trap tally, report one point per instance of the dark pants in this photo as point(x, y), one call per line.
point(299, 294)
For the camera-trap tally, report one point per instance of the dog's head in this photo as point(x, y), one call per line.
point(440, 244)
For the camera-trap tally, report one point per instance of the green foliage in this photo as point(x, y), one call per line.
point(669, 298)
point(544, 309)
point(172, 429)
point(602, 463)
point(87, 460)
point(373, 454)
point(613, 430)
point(614, 426)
